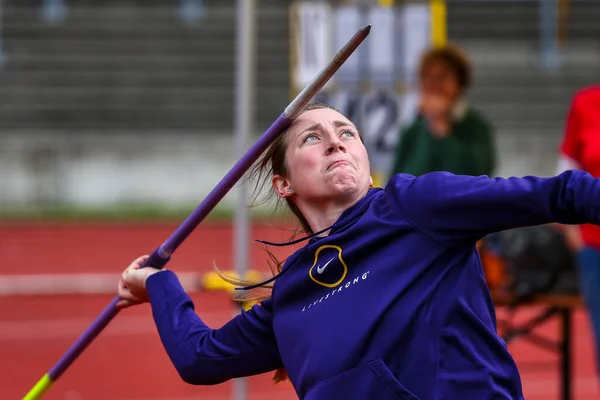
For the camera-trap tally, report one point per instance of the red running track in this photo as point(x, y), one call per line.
point(127, 362)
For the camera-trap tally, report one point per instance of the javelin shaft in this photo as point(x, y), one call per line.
point(160, 257)
point(284, 120)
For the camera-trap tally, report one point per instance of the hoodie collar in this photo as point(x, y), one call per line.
point(351, 214)
point(345, 221)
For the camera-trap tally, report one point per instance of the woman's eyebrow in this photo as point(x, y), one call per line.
point(313, 127)
point(340, 124)
point(337, 124)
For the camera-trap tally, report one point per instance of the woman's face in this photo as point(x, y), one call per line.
point(440, 81)
point(325, 158)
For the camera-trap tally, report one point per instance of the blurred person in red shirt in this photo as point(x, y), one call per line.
point(580, 149)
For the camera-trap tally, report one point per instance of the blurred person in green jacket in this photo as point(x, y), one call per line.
point(448, 134)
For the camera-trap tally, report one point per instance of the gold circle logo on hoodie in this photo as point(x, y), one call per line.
point(329, 268)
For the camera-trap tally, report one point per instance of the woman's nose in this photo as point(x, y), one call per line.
point(336, 144)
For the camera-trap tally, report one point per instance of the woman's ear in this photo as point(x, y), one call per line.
point(282, 186)
point(370, 181)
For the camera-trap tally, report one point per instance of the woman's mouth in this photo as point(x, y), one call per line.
point(337, 164)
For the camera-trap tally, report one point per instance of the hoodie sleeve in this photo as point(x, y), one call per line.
point(244, 346)
point(454, 209)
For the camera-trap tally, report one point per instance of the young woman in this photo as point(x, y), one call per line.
point(387, 299)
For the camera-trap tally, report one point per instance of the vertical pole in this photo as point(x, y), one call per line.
point(2, 55)
point(548, 33)
point(244, 125)
point(566, 357)
point(439, 34)
point(563, 21)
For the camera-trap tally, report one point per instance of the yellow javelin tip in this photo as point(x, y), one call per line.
point(39, 389)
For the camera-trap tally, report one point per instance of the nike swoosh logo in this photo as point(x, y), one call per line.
point(321, 269)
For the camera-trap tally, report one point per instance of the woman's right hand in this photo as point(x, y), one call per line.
point(132, 285)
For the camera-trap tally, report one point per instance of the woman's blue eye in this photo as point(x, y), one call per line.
point(348, 134)
point(310, 138)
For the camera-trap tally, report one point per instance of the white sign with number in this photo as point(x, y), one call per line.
point(312, 38)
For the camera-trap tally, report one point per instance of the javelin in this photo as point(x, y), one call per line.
point(162, 254)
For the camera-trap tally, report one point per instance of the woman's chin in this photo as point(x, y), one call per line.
point(344, 188)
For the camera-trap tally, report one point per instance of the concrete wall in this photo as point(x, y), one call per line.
point(97, 170)
point(91, 170)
